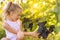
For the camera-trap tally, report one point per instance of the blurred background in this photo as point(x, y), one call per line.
point(35, 11)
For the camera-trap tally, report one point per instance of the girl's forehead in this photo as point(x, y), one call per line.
point(18, 11)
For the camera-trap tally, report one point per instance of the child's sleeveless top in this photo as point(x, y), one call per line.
point(14, 25)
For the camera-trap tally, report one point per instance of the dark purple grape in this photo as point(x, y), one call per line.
point(44, 35)
point(51, 29)
point(31, 26)
point(26, 20)
point(25, 30)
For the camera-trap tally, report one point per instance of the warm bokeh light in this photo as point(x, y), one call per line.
point(44, 10)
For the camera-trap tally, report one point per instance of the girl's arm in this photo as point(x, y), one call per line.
point(9, 28)
point(34, 33)
point(27, 33)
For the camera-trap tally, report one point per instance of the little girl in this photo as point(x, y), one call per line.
point(12, 24)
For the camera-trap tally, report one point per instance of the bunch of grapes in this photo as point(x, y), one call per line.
point(30, 24)
point(43, 31)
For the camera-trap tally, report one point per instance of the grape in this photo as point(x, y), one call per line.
point(51, 29)
point(44, 35)
point(26, 20)
point(31, 26)
point(25, 29)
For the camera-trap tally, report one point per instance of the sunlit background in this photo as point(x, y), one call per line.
point(44, 10)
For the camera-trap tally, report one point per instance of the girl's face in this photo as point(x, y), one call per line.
point(15, 15)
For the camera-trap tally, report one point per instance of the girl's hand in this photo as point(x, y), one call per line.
point(35, 34)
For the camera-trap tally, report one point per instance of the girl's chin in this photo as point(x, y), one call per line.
point(15, 19)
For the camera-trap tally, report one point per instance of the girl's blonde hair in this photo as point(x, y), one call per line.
point(10, 7)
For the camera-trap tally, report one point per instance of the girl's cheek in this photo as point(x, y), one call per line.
point(17, 17)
